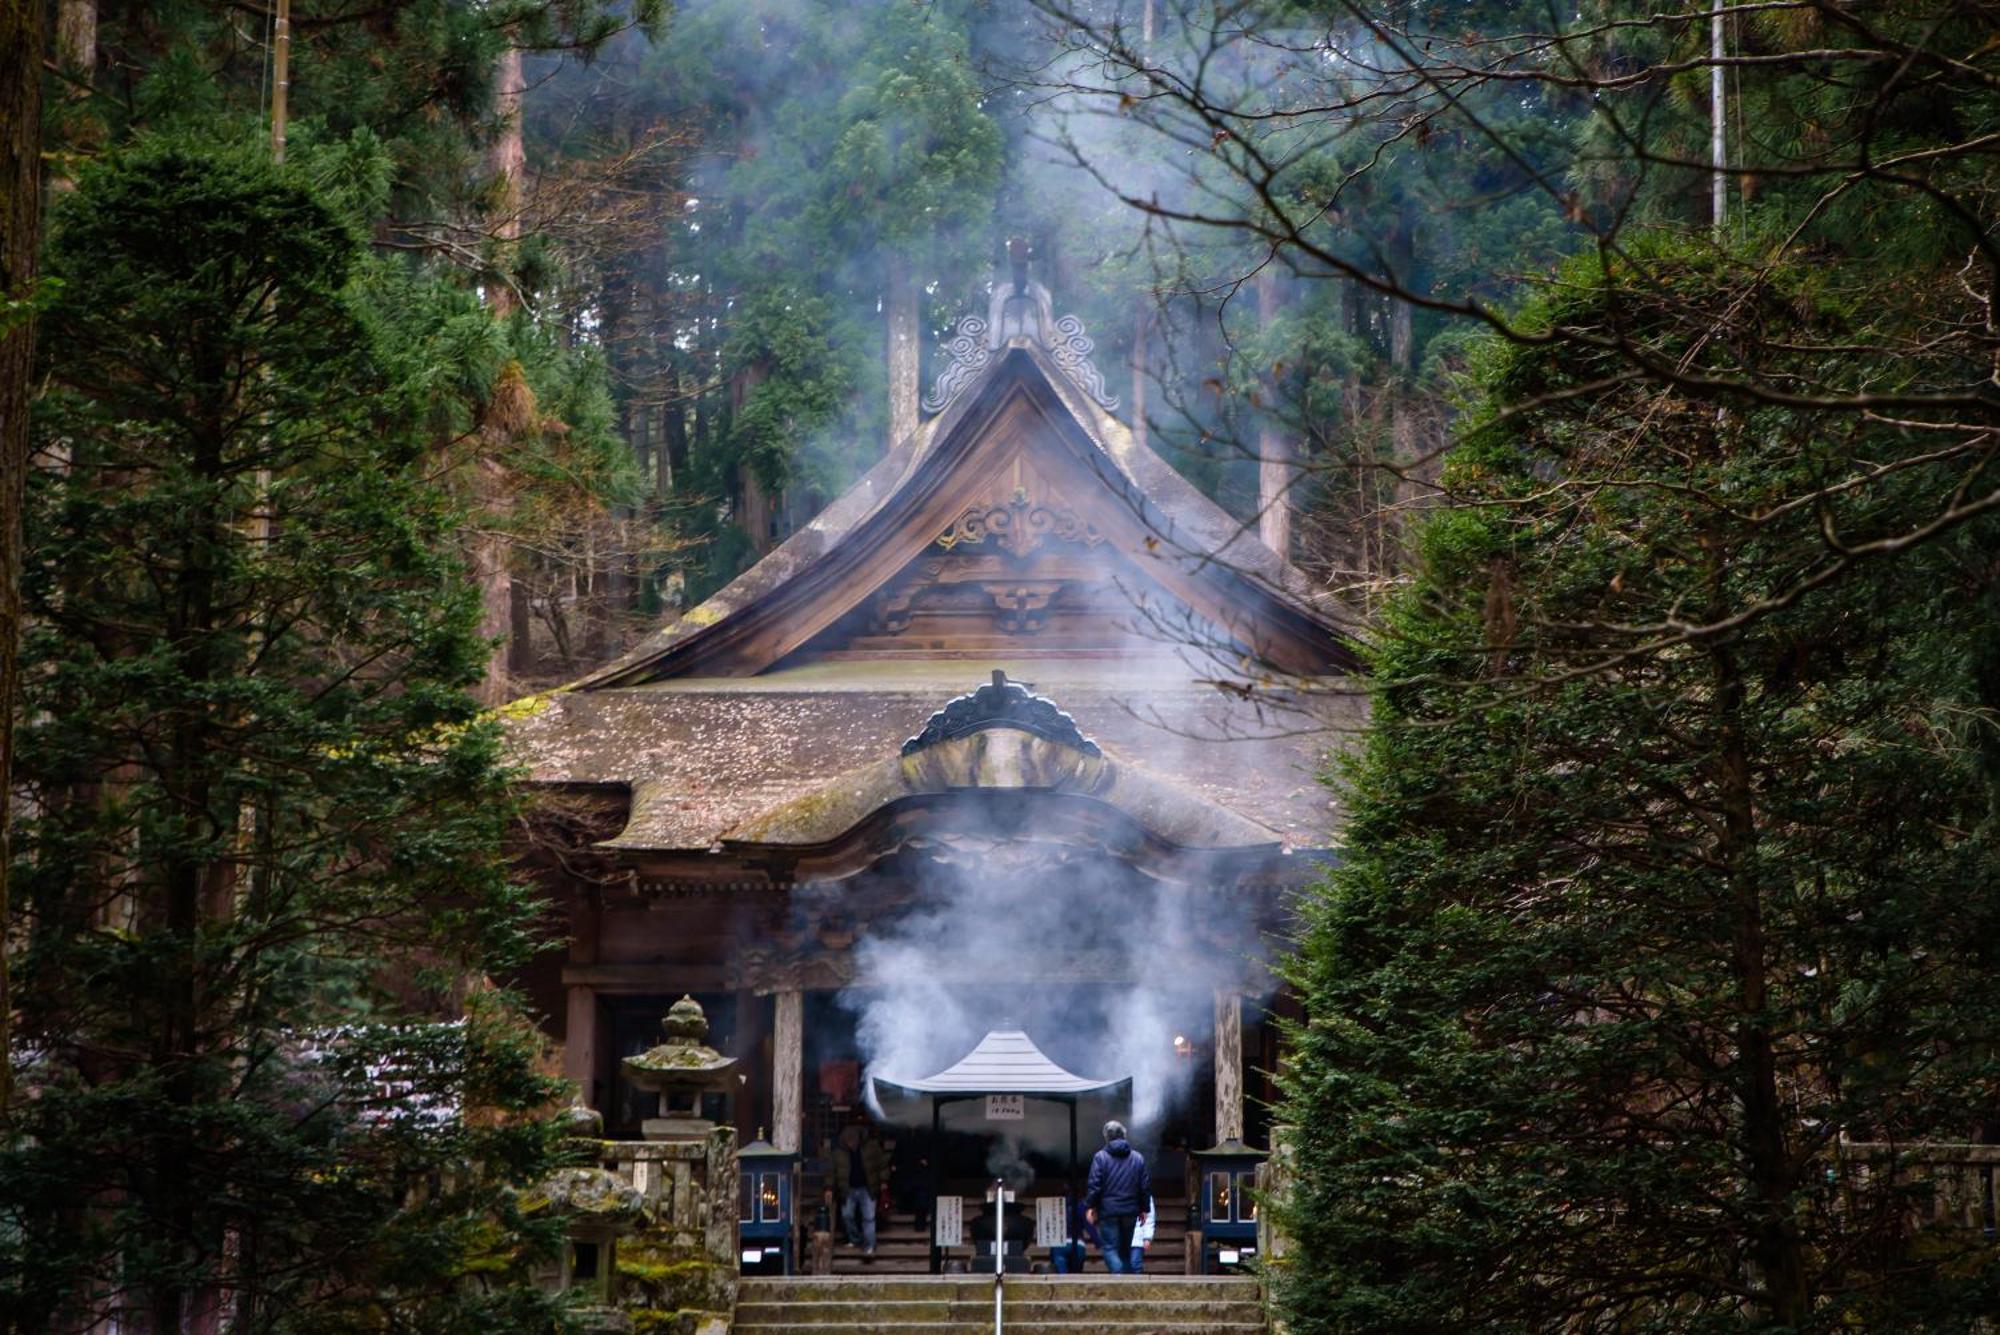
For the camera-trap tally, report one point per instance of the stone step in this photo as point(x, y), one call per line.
point(1017, 1323)
point(1021, 1289)
point(1077, 1311)
point(875, 1326)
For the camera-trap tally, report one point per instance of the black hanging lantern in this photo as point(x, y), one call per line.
point(1226, 1205)
point(767, 1239)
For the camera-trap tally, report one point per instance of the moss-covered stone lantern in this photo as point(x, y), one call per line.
point(599, 1208)
point(680, 1071)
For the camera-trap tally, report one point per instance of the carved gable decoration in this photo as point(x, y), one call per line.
point(1001, 704)
point(1018, 526)
point(1019, 312)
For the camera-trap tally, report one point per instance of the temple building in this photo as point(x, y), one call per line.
point(951, 760)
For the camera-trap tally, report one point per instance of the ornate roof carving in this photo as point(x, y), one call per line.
point(1018, 312)
point(1001, 704)
point(1019, 525)
point(966, 355)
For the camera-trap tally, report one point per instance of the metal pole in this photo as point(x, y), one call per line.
point(1717, 152)
point(1072, 1162)
point(1070, 1190)
point(999, 1249)
point(937, 1112)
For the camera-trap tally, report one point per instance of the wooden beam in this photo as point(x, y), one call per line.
point(648, 979)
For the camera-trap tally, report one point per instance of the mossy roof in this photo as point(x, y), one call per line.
point(706, 758)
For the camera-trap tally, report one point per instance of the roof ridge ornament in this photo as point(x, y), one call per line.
point(1001, 704)
point(1018, 313)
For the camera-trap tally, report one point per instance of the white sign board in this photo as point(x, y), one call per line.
point(950, 1221)
point(1006, 1108)
point(1051, 1229)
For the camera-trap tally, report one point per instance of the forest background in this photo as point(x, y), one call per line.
point(1666, 492)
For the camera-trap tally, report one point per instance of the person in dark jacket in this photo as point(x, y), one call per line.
point(1068, 1259)
point(860, 1171)
point(1116, 1195)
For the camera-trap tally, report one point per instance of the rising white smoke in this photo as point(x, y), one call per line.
point(932, 979)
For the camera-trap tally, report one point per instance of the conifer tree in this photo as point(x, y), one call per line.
point(20, 236)
point(263, 854)
point(1665, 882)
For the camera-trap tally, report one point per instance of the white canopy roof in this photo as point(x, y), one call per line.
point(1006, 1061)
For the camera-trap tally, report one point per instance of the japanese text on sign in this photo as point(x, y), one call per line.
point(950, 1221)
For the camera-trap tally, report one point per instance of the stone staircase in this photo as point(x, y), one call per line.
point(963, 1305)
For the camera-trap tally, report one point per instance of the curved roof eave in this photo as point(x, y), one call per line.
point(1011, 760)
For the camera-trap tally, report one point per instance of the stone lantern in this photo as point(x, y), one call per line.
point(680, 1071)
point(600, 1208)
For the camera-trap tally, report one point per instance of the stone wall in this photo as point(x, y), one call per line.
point(677, 1271)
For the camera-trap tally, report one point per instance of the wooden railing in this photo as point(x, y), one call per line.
point(1945, 1185)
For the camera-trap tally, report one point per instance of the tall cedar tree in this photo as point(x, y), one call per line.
point(20, 236)
point(261, 854)
point(1634, 930)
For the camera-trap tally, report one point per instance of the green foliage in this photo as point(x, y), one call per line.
point(841, 143)
point(809, 366)
point(1637, 924)
point(263, 856)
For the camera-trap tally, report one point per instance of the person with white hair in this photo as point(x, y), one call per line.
point(1118, 1196)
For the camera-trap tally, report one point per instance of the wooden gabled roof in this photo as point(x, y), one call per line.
point(773, 712)
point(1022, 411)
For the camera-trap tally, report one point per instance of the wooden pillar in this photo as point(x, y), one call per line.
point(1228, 1065)
point(580, 1036)
point(580, 1042)
point(788, 1062)
point(745, 1046)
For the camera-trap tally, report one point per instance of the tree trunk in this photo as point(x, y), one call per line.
point(673, 459)
point(490, 558)
point(642, 437)
point(754, 511)
point(594, 584)
point(905, 353)
point(1404, 449)
point(1142, 333)
point(76, 56)
point(76, 37)
point(496, 586)
point(281, 77)
point(1275, 456)
point(20, 217)
point(520, 628)
point(1142, 312)
point(1774, 1235)
point(509, 161)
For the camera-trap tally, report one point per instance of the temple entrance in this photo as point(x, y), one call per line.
point(1168, 1101)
